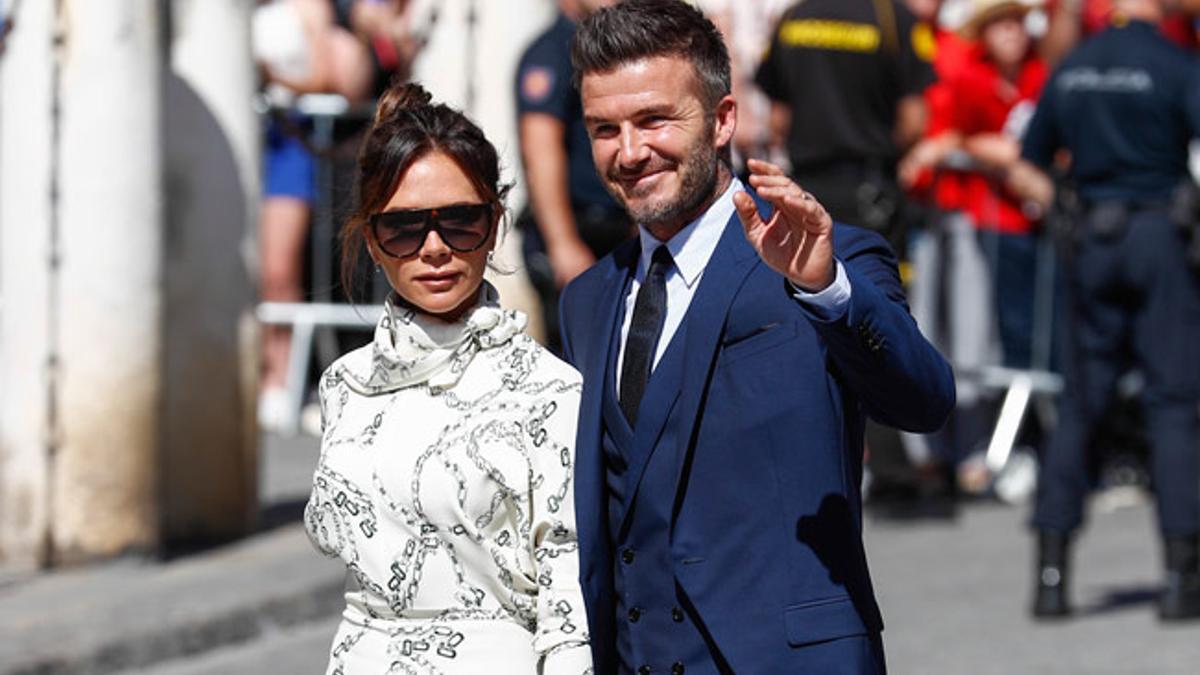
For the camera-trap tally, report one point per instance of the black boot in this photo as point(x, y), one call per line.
point(1050, 600)
point(1181, 596)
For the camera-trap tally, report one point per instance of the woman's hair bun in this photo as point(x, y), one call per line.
point(400, 97)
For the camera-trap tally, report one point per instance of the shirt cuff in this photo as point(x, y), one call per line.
point(830, 303)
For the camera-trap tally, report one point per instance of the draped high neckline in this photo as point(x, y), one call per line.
point(412, 348)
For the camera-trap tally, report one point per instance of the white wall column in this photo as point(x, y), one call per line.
point(109, 307)
point(26, 142)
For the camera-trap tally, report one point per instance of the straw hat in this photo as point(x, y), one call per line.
point(984, 11)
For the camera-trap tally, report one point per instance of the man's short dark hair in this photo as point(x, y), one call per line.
point(638, 29)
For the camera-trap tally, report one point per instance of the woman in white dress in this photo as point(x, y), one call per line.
point(444, 482)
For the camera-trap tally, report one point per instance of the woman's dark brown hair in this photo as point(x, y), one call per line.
point(407, 127)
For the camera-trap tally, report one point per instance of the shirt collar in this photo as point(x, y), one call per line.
point(692, 246)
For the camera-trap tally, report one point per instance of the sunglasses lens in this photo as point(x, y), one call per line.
point(464, 228)
point(400, 233)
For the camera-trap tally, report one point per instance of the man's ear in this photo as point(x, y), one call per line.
point(725, 121)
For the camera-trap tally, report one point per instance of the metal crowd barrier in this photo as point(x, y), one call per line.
point(313, 323)
point(1020, 388)
point(305, 318)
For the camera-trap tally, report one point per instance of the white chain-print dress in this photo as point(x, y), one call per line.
point(444, 484)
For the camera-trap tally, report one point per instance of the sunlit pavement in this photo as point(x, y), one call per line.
point(954, 593)
point(955, 596)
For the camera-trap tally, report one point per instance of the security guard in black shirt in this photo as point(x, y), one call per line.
point(1124, 104)
point(845, 83)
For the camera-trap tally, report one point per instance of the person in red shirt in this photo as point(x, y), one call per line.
point(978, 268)
point(989, 97)
point(949, 53)
point(995, 96)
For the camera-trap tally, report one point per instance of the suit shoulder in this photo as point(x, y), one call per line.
point(590, 280)
point(851, 240)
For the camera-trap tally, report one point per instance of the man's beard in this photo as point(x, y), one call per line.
point(697, 182)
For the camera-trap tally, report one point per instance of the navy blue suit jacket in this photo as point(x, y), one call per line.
point(767, 423)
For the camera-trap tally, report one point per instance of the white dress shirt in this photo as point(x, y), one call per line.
point(690, 250)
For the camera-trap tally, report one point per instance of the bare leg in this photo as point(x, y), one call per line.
point(283, 227)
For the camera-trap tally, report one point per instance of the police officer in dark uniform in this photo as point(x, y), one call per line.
point(846, 88)
point(571, 220)
point(1125, 104)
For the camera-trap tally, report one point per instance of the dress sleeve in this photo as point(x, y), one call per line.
point(313, 509)
point(561, 638)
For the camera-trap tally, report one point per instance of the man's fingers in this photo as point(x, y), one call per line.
point(792, 200)
point(769, 180)
point(747, 211)
point(806, 212)
point(758, 166)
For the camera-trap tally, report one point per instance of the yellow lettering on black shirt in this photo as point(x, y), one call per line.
point(924, 44)
point(838, 35)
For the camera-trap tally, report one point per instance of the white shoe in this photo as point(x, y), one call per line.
point(274, 410)
point(310, 420)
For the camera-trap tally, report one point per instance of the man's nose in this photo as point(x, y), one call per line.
point(632, 151)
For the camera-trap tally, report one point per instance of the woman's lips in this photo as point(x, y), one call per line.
point(438, 282)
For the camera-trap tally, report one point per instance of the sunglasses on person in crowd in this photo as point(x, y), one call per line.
point(463, 227)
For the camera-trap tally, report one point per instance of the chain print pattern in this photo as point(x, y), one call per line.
point(451, 508)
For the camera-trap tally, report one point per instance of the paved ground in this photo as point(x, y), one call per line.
point(955, 595)
point(953, 591)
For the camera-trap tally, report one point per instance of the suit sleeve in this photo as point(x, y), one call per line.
point(876, 347)
point(565, 305)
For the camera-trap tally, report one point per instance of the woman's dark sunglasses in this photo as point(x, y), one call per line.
point(463, 227)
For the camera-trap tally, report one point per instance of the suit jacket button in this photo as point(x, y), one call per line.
point(644, 670)
point(635, 613)
point(627, 556)
point(677, 615)
point(677, 668)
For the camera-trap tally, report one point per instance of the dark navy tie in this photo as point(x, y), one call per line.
point(649, 312)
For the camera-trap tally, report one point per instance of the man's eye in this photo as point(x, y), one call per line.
point(603, 131)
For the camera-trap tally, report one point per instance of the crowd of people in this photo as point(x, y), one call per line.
point(875, 161)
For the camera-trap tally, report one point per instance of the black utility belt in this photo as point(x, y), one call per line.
point(1109, 219)
point(1129, 206)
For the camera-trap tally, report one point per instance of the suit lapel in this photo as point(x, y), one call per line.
point(677, 385)
point(591, 514)
point(731, 263)
point(655, 410)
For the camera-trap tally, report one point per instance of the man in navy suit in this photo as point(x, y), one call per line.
point(730, 355)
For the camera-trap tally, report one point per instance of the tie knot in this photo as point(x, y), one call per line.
point(660, 261)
